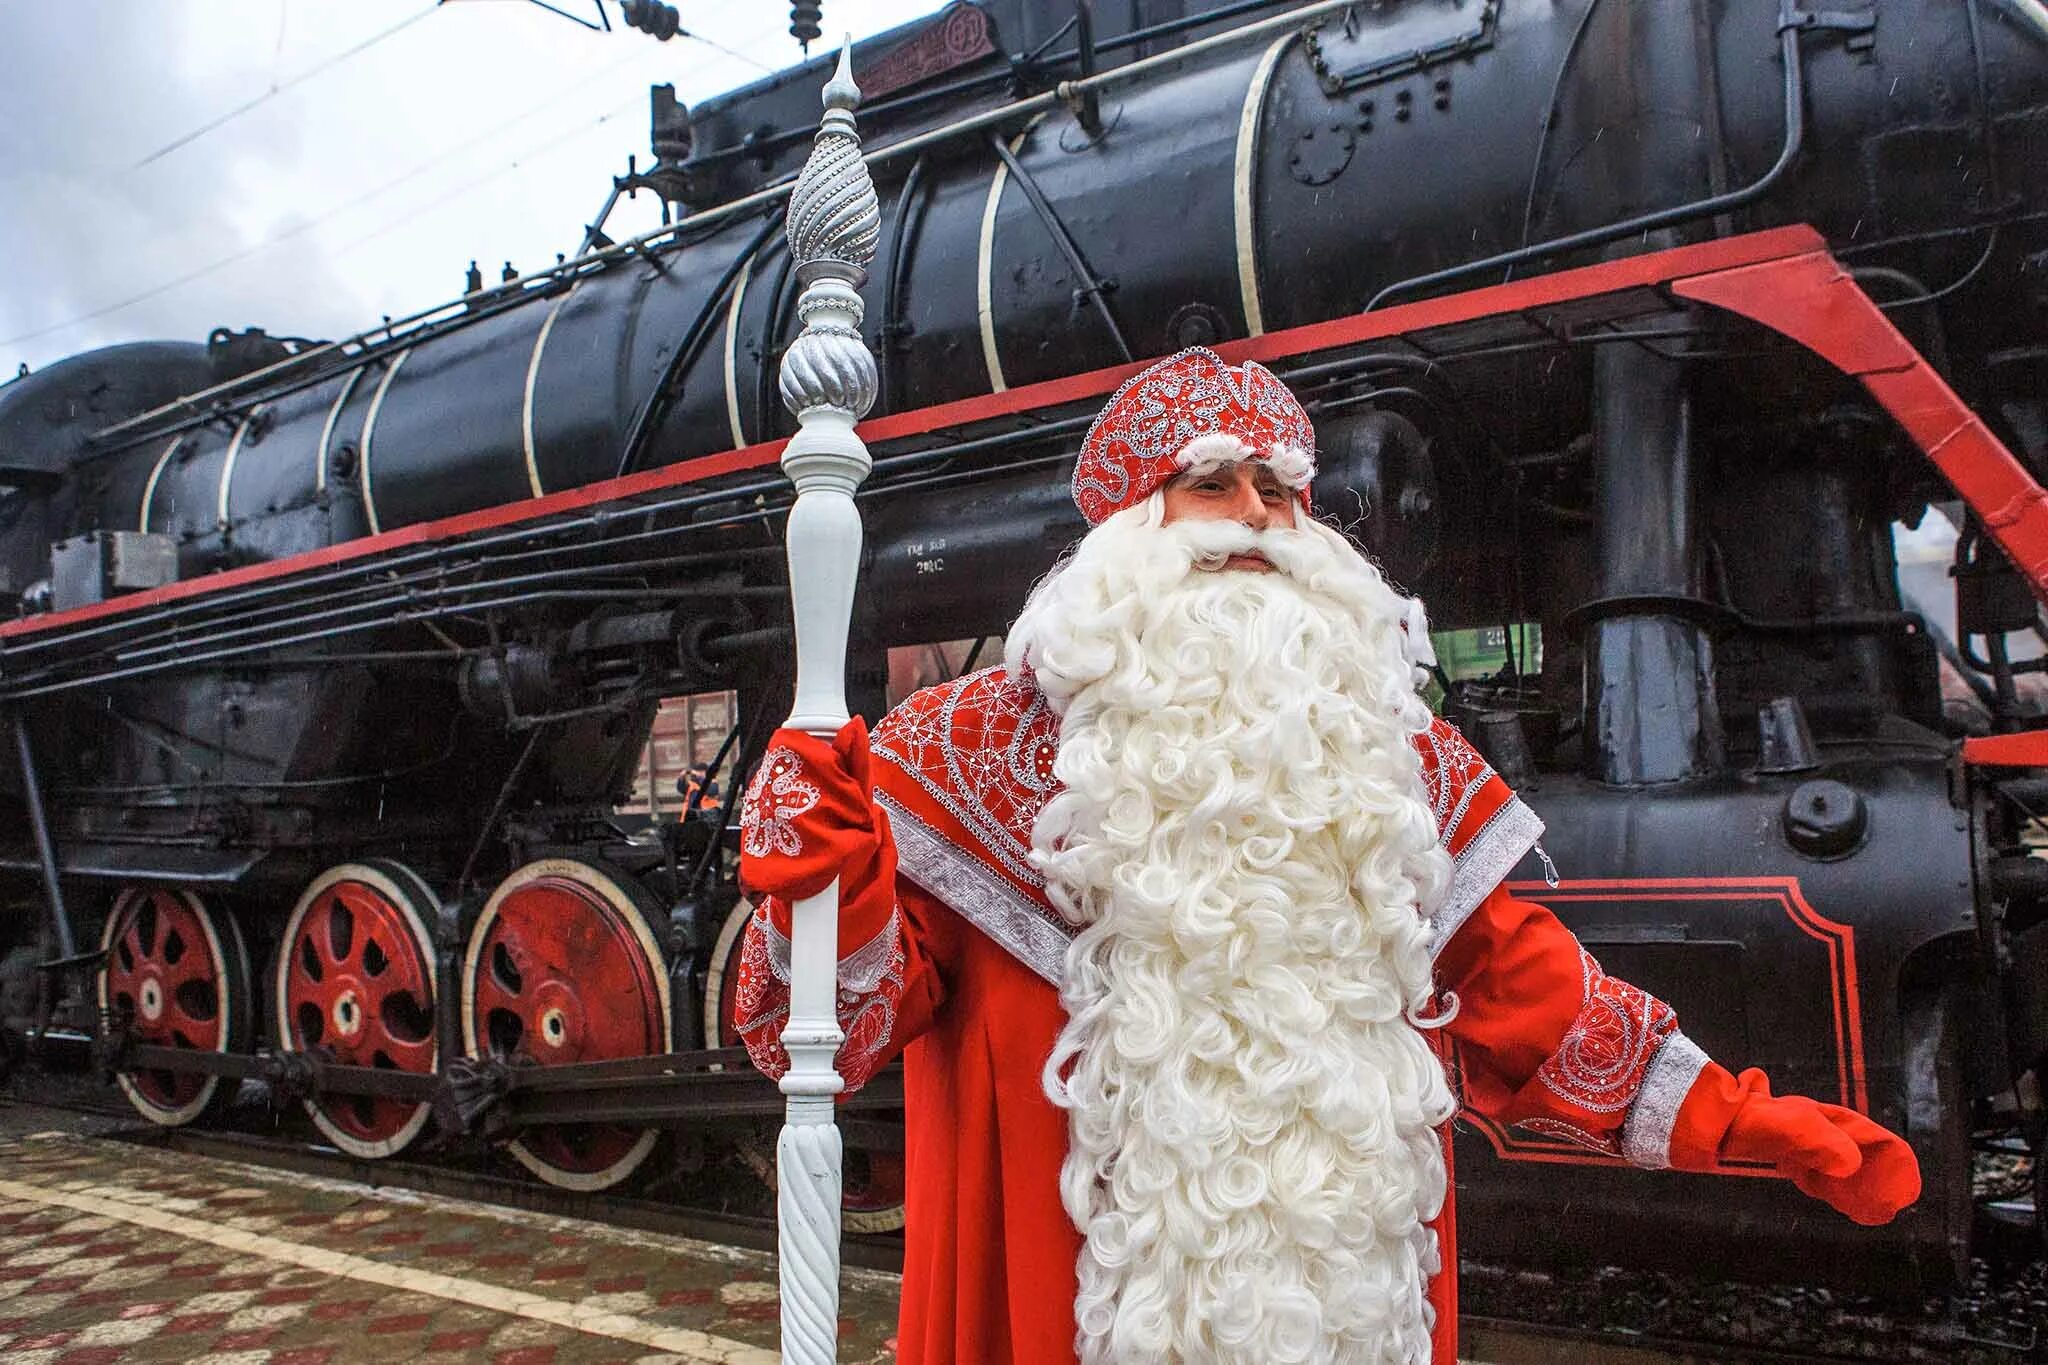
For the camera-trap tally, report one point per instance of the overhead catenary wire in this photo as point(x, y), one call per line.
point(304, 226)
point(731, 52)
point(462, 187)
point(301, 228)
point(279, 87)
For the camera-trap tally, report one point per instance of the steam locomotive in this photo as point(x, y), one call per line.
point(1631, 328)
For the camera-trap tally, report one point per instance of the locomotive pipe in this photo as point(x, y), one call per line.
point(188, 649)
point(1651, 715)
point(656, 407)
point(398, 602)
point(1091, 284)
point(295, 611)
point(1020, 68)
point(46, 853)
point(723, 649)
point(1087, 107)
point(1791, 23)
point(426, 562)
point(397, 616)
point(601, 634)
point(892, 281)
point(497, 812)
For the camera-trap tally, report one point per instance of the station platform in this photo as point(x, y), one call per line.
point(112, 1252)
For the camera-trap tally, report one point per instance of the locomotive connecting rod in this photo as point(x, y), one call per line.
point(828, 381)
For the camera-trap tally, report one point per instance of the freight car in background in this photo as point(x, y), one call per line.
point(1632, 327)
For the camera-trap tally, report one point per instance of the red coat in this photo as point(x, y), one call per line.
point(952, 963)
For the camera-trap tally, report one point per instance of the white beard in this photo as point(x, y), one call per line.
point(1245, 848)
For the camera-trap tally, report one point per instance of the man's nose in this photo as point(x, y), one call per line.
point(1248, 508)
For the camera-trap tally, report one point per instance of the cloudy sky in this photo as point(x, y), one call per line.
point(171, 166)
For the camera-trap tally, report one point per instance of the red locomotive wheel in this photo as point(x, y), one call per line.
point(355, 978)
point(177, 975)
point(871, 1198)
point(564, 966)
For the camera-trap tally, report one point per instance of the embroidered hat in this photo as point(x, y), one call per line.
point(1144, 434)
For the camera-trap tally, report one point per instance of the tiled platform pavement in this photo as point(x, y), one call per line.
point(109, 1252)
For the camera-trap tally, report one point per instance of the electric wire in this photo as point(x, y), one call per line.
point(279, 87)
point(731, 52)
point(304, 226)
point(301, 228)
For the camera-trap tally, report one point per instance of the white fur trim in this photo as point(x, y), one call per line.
point(976, 892)
point(1485, 863)
point(1295, 466)
point(1646, 1133)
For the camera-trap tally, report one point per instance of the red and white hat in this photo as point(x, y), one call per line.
point(1156, 425)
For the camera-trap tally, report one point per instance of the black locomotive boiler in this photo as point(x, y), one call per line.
point(1630, 326)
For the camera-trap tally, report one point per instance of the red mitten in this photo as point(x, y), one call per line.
point(809, 815)
point(1831, 1153)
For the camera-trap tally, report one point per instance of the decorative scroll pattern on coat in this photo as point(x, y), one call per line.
point(870, 988)
point(778, 794)
point(1453, 772)
point(1604, 1057)
point(1571, 1132)
point(982, 746)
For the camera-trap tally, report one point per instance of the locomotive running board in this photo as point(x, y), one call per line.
point(1784, 279)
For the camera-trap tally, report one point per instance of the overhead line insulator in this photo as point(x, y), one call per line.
point(805, 17)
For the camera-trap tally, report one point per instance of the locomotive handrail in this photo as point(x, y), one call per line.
point(1782, 277)
point(598, 500)
point(1793, 57)
point(390, 331)
point(1021, 66)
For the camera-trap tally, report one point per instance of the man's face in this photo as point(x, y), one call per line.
point(1247, 492)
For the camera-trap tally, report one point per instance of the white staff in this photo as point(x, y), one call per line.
point(828, 381)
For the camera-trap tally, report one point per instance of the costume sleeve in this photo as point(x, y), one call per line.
point(1545, 1039)
point(893, 941)
point(1483, 825)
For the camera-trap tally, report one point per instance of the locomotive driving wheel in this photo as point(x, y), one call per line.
point(564, 966)
point(355, 979)
point(175, 974)
point(871, 1198)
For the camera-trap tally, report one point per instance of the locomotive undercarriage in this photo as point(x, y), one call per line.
point(1734, 721)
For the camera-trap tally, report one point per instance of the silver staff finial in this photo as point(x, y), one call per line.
point(840, 91)
point(835, 219)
